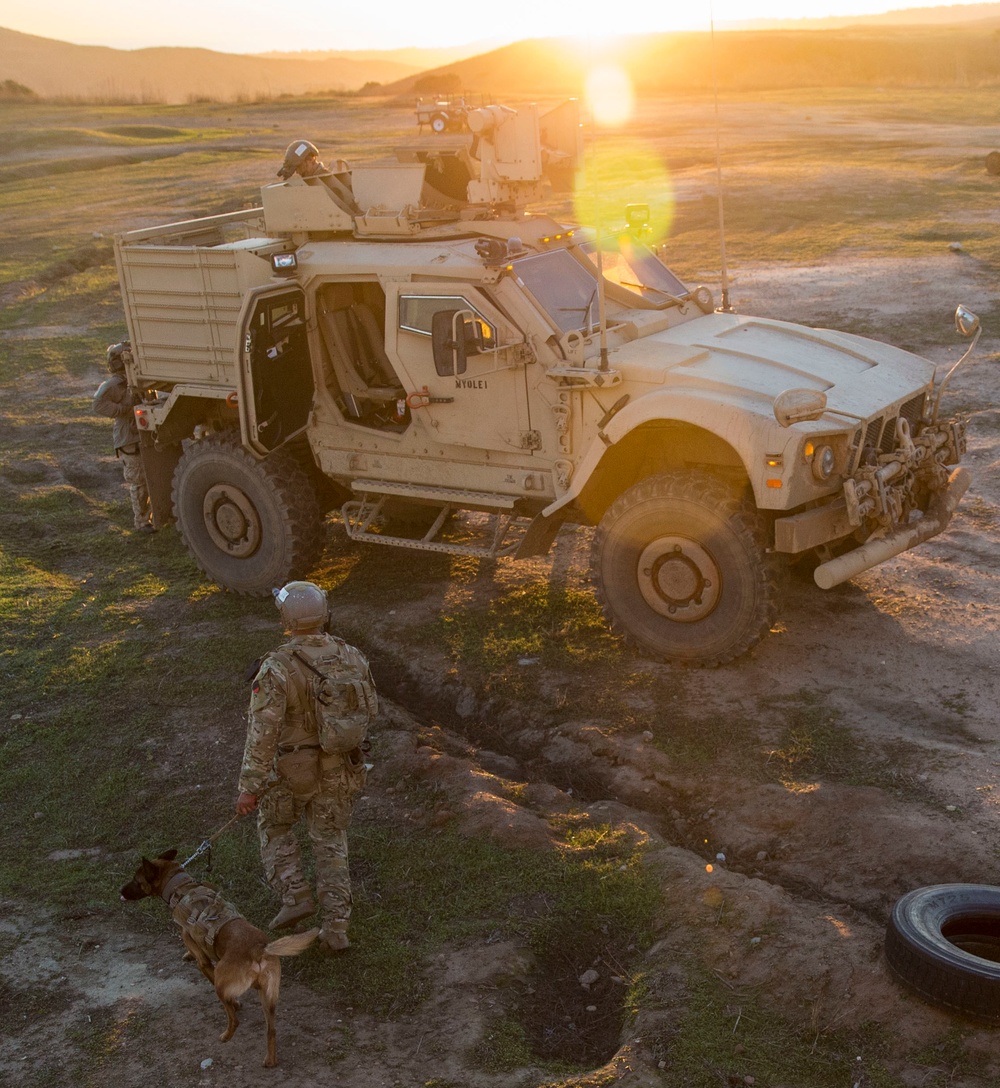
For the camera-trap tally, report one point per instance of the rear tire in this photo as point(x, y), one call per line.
point(249, 525)
point(682, 570)
point(943, 942)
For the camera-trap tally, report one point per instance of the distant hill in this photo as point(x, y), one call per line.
point(414, 58)
point(947, 46)
point(878, 56)
point(54, 69)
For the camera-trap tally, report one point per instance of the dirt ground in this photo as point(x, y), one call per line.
point(906, 653)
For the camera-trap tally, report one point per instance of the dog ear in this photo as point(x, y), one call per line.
point(168, 856)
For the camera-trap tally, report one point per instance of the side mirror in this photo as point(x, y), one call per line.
point(966, 322)
point(798, 405)
point(455, 335)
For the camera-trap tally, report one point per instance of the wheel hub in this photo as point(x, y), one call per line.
point(679, 579)
point(232, 521)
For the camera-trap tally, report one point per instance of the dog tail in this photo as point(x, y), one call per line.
point(293, 945)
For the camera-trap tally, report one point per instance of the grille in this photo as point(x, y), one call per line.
point(880, 433)
point(913, 410)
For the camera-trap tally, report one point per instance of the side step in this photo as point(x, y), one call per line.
point(362, 514)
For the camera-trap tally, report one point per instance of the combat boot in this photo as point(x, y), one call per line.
point(333, 937)
point(295, 907)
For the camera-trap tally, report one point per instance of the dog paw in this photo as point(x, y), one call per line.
point(227, 1035)
point(270, 1064)
point(187, 957)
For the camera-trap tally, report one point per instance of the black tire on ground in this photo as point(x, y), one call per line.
point(993, 162)
point(249, 525)
point(439, 122)
point(681, 568)
point(943, 942)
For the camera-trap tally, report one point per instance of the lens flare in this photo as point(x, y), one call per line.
point(608, 92)
point(615, 174)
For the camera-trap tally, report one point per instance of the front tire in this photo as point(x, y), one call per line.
point(681, 568)
point(249, 525)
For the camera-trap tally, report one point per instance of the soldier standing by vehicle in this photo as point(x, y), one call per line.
point(114, 398)
point(312, 702)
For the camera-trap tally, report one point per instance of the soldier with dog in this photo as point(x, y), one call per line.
point(312, 702)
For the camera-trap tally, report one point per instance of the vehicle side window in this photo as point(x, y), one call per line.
point(416, 314)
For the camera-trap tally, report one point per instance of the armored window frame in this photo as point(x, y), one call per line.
point(415, 315)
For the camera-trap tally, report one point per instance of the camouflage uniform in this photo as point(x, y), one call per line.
point(284, 766)
point(114, 398)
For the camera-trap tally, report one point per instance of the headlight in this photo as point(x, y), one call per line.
point(823, 462)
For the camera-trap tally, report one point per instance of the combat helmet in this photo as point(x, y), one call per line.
point(297, 152)
point(302, 605)
point(116, 356)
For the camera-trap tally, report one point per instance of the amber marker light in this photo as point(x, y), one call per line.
point(774, 483)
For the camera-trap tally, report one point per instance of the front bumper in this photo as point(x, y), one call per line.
point(893, 479)
point(876, 550)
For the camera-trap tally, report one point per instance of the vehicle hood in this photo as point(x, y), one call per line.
point(735, 357)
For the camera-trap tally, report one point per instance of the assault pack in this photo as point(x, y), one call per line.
point(339, 692)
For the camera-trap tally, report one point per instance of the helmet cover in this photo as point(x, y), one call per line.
point(302, 605)
point(297, 152)
point(116, 357)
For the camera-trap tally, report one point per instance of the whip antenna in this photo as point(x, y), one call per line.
point(602, 321)
point(725, 307)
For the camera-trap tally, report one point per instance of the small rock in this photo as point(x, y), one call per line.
point(661, 1065)
point(956, 247)
point(591, 1008)
point(951, 808)
point(16, 717)
point(755, 940)
point(762, 855)
point(207, 1063)
point(647, 736)
point(588, 978)
point(524, 661)
point(720, 857)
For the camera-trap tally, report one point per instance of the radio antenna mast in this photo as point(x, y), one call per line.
point(725, 307)
point(602, 319)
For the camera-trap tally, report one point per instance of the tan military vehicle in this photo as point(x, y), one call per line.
point(405, 342)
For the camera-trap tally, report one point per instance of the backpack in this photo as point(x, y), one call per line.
point(339, 694)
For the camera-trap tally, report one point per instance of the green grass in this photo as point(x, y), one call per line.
point(726, 1037)
point(813, 743)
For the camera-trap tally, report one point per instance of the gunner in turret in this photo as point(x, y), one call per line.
point(302, 158)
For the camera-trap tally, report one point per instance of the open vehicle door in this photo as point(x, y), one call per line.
point(275, 372)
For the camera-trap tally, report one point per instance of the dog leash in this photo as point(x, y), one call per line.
point(206, 846)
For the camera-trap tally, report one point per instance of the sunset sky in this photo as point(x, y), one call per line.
point(255, 26)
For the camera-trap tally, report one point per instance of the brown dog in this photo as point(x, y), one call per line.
point(231, 953)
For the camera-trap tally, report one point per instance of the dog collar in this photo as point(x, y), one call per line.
point(178, 881)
